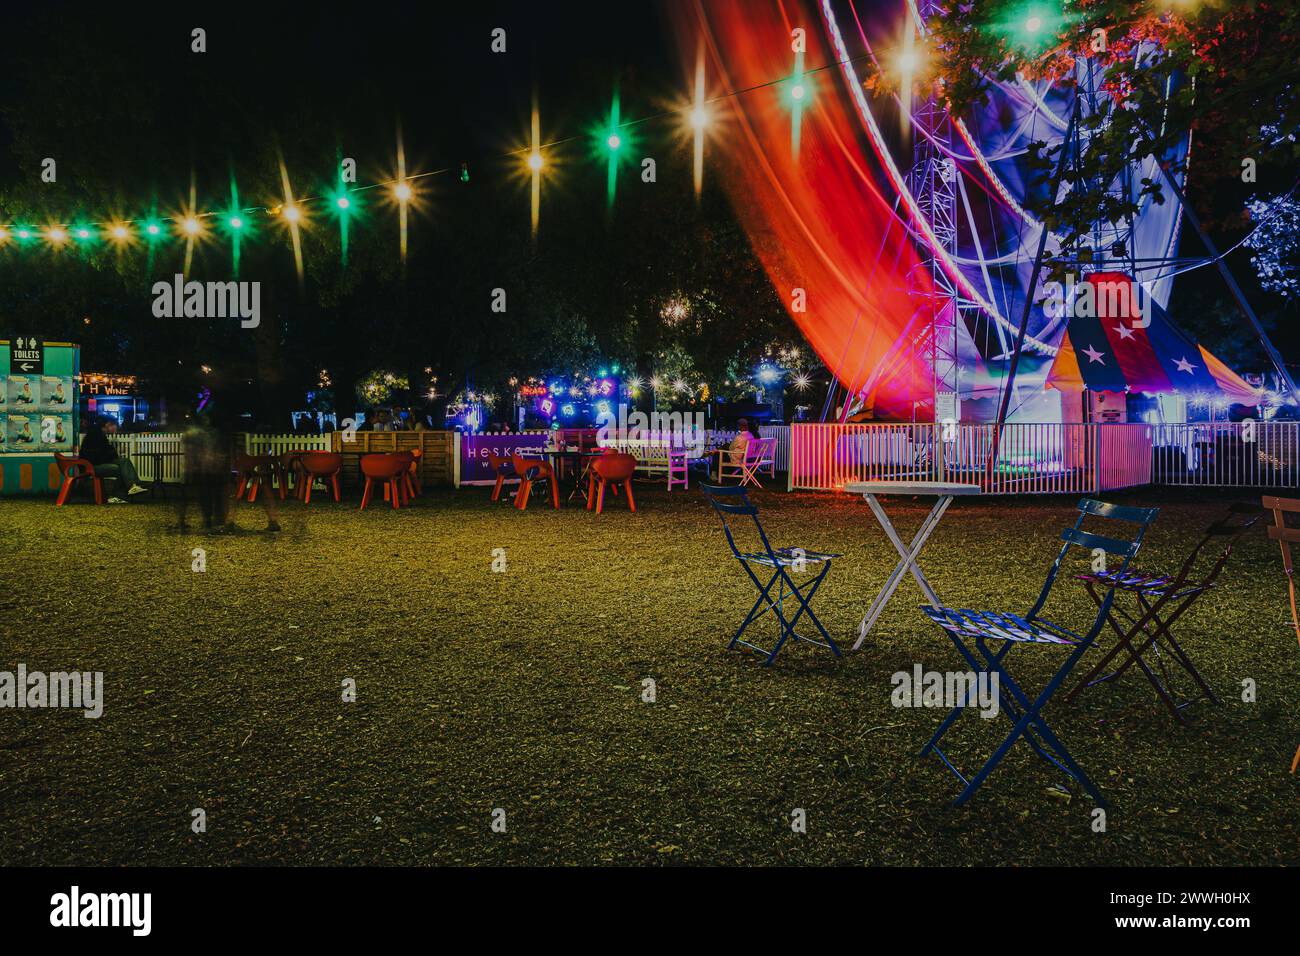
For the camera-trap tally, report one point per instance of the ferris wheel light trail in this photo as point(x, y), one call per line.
point(819, 222)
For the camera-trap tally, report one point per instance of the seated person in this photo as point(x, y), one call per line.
point(740, 444)
point(99, 451)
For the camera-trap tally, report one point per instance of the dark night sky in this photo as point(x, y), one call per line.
point(428, 63)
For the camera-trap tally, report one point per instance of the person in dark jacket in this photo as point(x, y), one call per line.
point(99, 451)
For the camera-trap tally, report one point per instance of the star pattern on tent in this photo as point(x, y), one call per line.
point(1184, 365)
point(1124, 332)
point(1094, 355)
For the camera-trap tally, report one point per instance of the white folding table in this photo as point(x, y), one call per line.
point(944, 492)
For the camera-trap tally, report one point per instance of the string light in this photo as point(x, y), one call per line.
point(293, 215)
point(699, 121)
point(190, 226)
point(343, 209)
point(535, 164)
point(615, 142)
point(798, 93)
point(403, 193)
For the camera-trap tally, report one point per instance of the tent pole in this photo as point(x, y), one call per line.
point(1235, 289)
point(1009, 385)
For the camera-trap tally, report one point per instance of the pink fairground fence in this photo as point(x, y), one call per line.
point(1048, 458)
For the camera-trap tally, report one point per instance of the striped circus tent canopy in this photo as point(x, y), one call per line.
point(1106, 348)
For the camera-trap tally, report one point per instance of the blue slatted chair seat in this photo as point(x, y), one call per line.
point(1138, 581)
point(787, 557)
point(998, 626)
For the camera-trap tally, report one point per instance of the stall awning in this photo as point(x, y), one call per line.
point(1105, 349)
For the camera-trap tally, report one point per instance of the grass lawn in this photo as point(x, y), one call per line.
point(522, 690)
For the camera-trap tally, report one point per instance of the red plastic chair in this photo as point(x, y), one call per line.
point(405, 485)
point(413, 476)
point(611, 471)
point(532, 470)
point(288, 470)
point(387, 469)
point(504, 468)
point(253, 471)
point(74, 469)
point(323, 465)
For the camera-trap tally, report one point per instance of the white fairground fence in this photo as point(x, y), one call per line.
point(162, 454)
point(1236, 455)
point(1048, 458)
point(1034, 458)
point(258, 444)
point(156, 457)
point(699, 441)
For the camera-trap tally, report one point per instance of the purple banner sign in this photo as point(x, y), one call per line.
point(475, 466)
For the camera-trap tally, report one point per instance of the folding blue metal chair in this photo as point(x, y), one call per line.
point(732, 504)
point(966, 628)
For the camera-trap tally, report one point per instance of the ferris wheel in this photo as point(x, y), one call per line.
point(964, 192)
point(911, 228)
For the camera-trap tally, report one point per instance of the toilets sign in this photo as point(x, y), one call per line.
point(26, 356)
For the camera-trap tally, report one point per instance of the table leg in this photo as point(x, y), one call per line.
point(907, 562)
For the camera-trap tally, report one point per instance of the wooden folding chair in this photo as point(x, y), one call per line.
point(731, 502)
point(1286, 536)
point(966, 627)
point(759, 453)
point(1159, 600)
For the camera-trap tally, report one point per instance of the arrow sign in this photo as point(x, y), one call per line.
point(27, 355)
